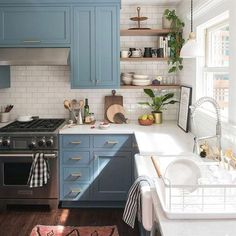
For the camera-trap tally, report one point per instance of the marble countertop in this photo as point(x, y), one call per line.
point(220, 227)
point(166, 138)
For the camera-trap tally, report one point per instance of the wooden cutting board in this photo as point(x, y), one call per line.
point(111, 100)
point(112, 110)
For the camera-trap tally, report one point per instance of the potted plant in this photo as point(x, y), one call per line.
point(158, 103)
point(175, 41)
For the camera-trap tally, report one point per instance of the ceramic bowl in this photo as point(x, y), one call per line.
point(24, 118)
point(127, 80)
point(140, 76)
point(104, 125)
point(146, 122)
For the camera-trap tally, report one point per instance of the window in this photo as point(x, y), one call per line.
point(216, 71)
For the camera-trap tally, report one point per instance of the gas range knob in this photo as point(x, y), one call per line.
point(49, 142)
point(41, 142)
point(6, 142)
point(32, 145)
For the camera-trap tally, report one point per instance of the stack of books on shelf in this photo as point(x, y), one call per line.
point(163, 46)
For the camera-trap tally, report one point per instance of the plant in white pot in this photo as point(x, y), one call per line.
point(158, 103)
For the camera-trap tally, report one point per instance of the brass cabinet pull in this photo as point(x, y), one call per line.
point(75, 191)
point(32, 41)
point(112, 142)
point(75, 142)
point(75, 158)
point(77, 175)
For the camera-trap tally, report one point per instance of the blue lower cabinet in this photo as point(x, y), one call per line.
point(112, 176)
point(94, 172)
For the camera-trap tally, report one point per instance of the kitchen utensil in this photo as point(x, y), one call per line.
point(67, 105)
point(136, 76)
point(80, 118)
point(157, 167)
point(81, 103)
point(74, 103)
point(112, 110)
point(110, 100)
point(119, 118)
point(138, 19)
point(8, 108)
point(24, 118)
point(183, 172)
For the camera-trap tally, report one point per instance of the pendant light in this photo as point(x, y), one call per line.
point(190, 49)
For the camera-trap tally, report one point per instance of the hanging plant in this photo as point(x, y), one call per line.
point(176, 40)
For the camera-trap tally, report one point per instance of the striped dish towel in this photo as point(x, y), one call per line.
point(39, 172)
point(133, 206)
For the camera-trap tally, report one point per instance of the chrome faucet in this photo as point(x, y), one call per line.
point(218, 135)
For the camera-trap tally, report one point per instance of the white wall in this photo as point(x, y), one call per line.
point(204, 11)
point(41, 90)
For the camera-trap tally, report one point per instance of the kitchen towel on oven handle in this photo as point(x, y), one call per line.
point(133, 206)
point(39, 172)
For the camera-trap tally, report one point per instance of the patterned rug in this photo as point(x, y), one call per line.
point(59, 230)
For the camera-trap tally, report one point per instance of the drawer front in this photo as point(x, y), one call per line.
point(75, 192)
point(75, 141)
point(76, 158)
point(112, 141)
point(35, 25)
point(76, 174)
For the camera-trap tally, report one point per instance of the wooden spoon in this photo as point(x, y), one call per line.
point(81, 103)
point(74, 104)
point(67, 105)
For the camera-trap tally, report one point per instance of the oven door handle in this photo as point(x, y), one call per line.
point(46, 155)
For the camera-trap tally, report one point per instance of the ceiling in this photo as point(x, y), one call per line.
point(148, 2)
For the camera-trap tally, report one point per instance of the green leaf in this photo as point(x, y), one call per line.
point(167, 96)
point(149, 92)
point(145, 103)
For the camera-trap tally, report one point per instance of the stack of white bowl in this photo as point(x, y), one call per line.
point(127, 77)
point(141, 80)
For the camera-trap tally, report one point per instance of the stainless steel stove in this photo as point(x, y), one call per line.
point(19, 141)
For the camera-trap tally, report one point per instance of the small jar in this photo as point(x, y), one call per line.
point(92, 117)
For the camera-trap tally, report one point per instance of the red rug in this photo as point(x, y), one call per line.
point(59, 230)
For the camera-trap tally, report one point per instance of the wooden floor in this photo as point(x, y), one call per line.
point(19, 222)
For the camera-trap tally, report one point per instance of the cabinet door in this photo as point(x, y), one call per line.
point(107, 47)
point(34, 25)
point(84, 48)
point(112, 176)
point(4, 77)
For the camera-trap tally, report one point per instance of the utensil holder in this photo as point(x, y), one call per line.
point(4, 117)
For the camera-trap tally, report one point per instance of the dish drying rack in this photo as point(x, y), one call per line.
point(207, 200)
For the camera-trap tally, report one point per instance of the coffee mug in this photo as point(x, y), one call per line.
point(137, 53)
point(125, 54)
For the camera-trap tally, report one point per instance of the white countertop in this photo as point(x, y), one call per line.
point(166, 138)
point(224, 227)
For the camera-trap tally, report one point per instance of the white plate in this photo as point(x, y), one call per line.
point(183, 172)
point(140, 76)
point(24, 118)
point(141, 82)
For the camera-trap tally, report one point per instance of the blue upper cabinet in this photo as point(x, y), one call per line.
point(34, 25)
point(96, 47)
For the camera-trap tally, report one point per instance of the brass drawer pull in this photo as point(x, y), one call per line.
point(75, 158)
point(32, 41)
point(112, 142)
point(75, 142)
point(77, 175)
point(75, 191)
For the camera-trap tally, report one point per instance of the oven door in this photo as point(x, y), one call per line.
point(14, 174)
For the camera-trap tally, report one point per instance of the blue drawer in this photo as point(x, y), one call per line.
point(76, 158)
point(75, 192)
point(112, 141)
point(75, 141)
point(76, 174)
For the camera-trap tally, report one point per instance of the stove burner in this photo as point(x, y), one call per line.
point(38, 125)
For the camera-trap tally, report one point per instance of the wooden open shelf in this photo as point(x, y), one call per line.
point(144, 59)
point(164, 86)
point(151, 32)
